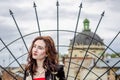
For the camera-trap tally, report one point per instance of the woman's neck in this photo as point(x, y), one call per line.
point(40, 64)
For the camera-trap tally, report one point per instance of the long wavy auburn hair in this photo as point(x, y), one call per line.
point(50, 61)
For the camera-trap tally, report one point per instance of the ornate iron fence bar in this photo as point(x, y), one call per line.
point(57, 4)
point(59, 45)
point(11, 54)
point(85, 68)
point(74, 39)
point(11, 13)
point(89, 45)
point(34, 5)
point(104, 52)
point(16, 58)
point(8, 72)
point(49, 31)
point(101, 55)
point(108, 70)
point(59, 31)
point(64, 46)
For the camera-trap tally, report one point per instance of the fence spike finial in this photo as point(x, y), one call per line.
point(11, 13)
point(103, 13)
point(57, 3)
point(81, 5)
point(34, 4)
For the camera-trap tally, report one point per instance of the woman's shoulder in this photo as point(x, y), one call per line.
point(60, 67)
point(60, 72)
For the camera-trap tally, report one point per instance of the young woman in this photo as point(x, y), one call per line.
point(43, 61)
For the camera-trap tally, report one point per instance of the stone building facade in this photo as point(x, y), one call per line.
point(80, 52)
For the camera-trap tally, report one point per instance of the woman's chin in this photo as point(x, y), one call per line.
point(34, 57)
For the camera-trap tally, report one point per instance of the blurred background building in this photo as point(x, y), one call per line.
point(88, 48)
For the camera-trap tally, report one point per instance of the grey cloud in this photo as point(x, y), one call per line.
point(113, 46)
point(91, 1)
point(115, 29)
point(10, 1)
point(114, 5)
point(8, 33)
point(29, 14)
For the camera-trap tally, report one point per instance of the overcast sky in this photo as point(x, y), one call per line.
point(68, 10)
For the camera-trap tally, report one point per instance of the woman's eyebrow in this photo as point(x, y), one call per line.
point(41, 46)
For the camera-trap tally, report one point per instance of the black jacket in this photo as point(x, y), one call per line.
point(58, 75)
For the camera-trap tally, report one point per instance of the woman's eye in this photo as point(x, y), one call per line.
point(40, 47)
point(34, 46)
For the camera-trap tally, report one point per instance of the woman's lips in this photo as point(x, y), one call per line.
point(35, 54)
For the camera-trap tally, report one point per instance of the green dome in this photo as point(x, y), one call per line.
point(86, 21)
point(86, 25)
point(86, 35)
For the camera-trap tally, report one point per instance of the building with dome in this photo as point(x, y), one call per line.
point(88, 48)
point(85, 39)
point(89, 43)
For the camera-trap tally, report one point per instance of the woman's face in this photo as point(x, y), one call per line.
point(38, 50)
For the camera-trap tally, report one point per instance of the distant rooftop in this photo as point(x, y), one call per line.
point(113, 62)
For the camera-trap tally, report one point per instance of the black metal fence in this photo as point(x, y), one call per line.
point(59, 45)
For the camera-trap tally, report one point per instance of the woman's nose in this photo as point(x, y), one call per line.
point(35, 49)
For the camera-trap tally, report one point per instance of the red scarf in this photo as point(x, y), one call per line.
point(39, 79)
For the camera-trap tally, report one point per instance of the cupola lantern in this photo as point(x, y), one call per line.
point(86, 25)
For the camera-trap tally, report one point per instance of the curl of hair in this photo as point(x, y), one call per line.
point(50, 61)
